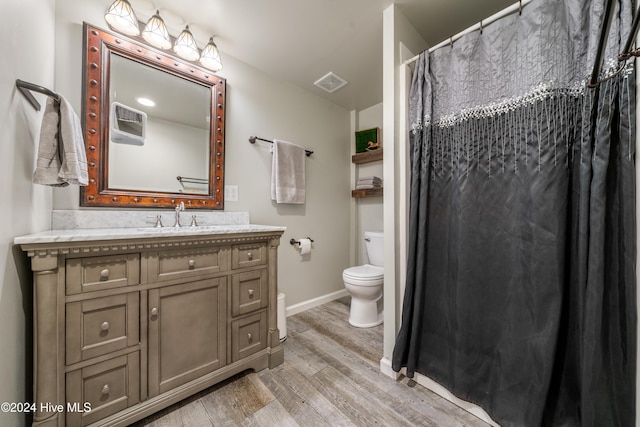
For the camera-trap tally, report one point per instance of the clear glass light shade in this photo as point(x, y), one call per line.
point(121, 18)
point(210, 57)
point(156, 33)
point(185, 46)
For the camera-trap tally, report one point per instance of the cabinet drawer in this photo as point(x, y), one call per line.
point(248, 255)
point(105, 272)
point(174, 264)
point(101, 325)
point(249, 292)
point(248, 335)
point(108, 387)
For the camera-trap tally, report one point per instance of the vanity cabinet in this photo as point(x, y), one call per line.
point(125, 327)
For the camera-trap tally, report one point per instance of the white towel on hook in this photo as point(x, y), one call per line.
point(62, 159)
point(288, 173)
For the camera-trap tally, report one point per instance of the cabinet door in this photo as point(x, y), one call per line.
point(187, 332)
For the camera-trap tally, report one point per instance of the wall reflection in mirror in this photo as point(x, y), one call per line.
point(157, 119)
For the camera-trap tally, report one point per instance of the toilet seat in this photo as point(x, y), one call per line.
point(363, 275)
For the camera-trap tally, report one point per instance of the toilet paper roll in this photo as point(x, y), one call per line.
point(305, 246)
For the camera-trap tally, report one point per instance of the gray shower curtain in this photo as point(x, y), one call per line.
point(520, 293)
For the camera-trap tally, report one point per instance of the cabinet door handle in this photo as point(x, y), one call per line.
point(250, 337)
point(106, 389)
point(105, 326)
point(154, 311)
point(250, 292)
point(104, 274)
point(249, 256)
point(192, 263)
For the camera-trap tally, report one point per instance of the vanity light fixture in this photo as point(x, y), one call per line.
point(185, 46)
point(156, 33)
point(210, 57)
point(120, 16)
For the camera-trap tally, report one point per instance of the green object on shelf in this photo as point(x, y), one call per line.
point(366, 138)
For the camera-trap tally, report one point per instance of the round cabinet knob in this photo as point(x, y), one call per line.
point(192, 263)
point(104, 326)
point(250, 337)
point(154, 311)
point(250, 292)
point(104, 274)
point(106, 389)
point(249, 256)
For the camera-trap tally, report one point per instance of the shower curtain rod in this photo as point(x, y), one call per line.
point(626, 54)
point(601, 44)
point(504, 12)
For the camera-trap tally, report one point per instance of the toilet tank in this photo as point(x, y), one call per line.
point(374, 242)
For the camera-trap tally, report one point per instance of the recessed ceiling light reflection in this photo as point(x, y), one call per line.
point(146, 101)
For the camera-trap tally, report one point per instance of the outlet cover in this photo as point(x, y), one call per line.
point(230, 193)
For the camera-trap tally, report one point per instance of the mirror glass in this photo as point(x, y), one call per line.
point(153, 125)
point(157, 119)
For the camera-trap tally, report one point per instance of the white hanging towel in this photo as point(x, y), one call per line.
point(62, 159)
point(288, 173)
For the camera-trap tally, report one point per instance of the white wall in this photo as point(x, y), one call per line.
point(264, 106)
point(27, 49)
point(136, 166)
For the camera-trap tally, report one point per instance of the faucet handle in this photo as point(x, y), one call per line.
point(159, 222)
point(194, 221)
point(179, 207)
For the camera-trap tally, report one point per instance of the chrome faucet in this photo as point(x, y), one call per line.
point(178, 208)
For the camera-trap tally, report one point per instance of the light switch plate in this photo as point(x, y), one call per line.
point(230, 193)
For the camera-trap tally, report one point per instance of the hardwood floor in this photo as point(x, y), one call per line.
point(330, 377)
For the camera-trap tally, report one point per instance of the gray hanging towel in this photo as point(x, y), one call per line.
point(288, 173)
point(62, 159)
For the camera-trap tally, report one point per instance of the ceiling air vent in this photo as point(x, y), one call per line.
point(330, 82)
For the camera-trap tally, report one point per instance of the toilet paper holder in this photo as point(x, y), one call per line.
point(297, 242)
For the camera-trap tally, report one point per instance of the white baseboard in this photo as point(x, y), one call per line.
point(475, 410)
point(385, 368)
point(306, 305)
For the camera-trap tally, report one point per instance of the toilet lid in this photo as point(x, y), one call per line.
point(367, 272)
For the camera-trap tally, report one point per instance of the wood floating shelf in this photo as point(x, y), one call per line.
point(367, 156)
point(367, 192)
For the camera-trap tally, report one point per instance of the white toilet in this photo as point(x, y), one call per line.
point(364, 283)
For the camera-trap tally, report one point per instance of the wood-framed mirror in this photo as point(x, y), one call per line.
point(150, 156)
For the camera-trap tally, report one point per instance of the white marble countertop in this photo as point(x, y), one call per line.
point(99, 234)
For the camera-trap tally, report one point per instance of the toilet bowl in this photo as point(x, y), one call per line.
point(364, 284)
